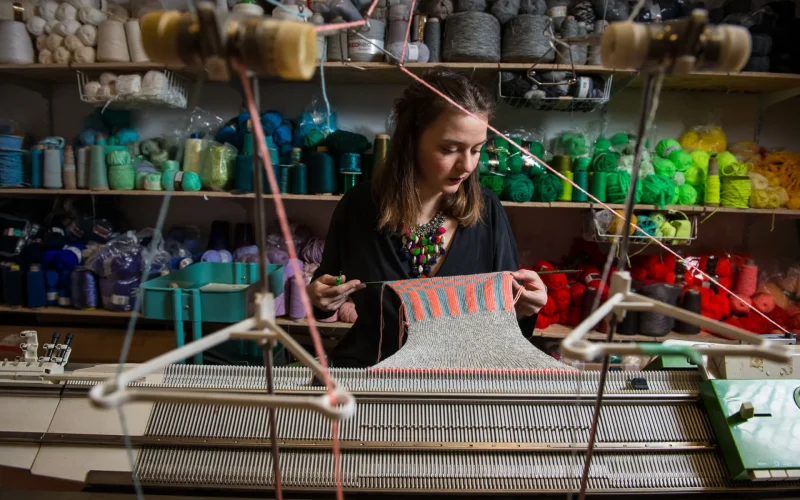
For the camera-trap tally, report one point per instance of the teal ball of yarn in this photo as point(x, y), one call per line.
point(547, 188)
point(493, 182)
point(121, 177)
point(657, 190)
point(518, 187)
point(646, 226)
point(618, 184)
point(191, 182)
point(664, 167)
point(687, 194)
point(118, 157)
point(667, 146)
point(681, 159)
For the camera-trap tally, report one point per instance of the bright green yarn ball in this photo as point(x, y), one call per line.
point(617, 186)
point(118, 157)
point(657, 190)
point(518, 188)
point(700, 159)
point(681, 159)
point(665, 145)
point(664, 167)
point(573, 144)
point(619, 140)
point(121, 177)
point(695, 176)
point(725, 159)
point(191, 182)
point(687, 195)
point(493, 182)
point(601, 145)
point(674, 199)
point(547, 188)
point(605, 162)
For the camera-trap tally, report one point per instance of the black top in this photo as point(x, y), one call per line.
point(357, 249)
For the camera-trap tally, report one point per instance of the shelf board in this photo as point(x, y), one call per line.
point(390, 74)
point(552, 332)
point(700, 210)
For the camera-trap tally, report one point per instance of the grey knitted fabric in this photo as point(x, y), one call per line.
point(464, 322)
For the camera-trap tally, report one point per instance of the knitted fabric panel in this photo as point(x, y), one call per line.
point(463, 322)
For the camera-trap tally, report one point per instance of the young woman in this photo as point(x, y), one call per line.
point(428, 186)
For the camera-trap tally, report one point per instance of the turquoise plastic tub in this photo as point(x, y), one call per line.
point(207, 291)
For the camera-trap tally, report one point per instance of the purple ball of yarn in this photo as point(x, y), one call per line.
point(211, 256)
point(277, 256)
point(312, 252)
point(225, 256)
point(123, 266)
point(240, 253)
point(119, 295)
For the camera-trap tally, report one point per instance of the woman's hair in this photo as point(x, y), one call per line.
point(394, 185)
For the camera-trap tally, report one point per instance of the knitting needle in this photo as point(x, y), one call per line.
point(540, 273)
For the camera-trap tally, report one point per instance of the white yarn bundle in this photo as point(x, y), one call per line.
point(108, 78)
point(50, 24)
point(54, 41)
point(62, 55)
point(68, 27)
point(66, 12)
point(112, 43)
point(128, 85)
point(154, 83)
point(84, 55)
point(15, 43)
point(133, 32)
point(91, 89)
point(90, 15)
point(72, 43)
point(47, 9)
point(87, 34)
point(36, 26)
point(45, 57)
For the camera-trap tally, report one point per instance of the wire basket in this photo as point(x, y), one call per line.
point(595, 224)
point(567, 103)
point(170, 93)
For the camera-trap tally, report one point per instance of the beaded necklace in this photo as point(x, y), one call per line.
point(422, 245)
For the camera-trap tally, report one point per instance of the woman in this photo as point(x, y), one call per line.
point(428, 187)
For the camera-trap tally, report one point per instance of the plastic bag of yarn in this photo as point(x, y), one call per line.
point(119, 259)
point(217, 166)
point(119, 294)
point(709, 138)
point(572, 143)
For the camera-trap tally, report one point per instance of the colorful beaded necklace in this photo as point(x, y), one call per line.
point(422, 245)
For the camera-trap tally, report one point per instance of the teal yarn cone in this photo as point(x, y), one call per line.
point(300, 179)
point(599, 186)
point(98, 174)
point(581, 178)
point(243, 174)
point(321, 172)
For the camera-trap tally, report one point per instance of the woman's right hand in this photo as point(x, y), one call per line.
point(327, 296)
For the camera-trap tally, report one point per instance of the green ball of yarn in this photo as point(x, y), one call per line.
point(582, 164)
point(675, 199)
point(666, 145)
point(515, 158)
point(158, 158)
point(605, 162)
point(687, 195)
point(518, 188)
point(149, 147)
point(681, 159)
point(168, 180)
point(573, 144)
point(153, 182)
point(493, 182)
point(619, 140)
point(700, 159)
point(725, 159)
point(601, 145)
point(191, 182)
point(617, 186)
point(537, 169)
point(695, 176)
point(547, 188)
point(664, 168)
point(313, 138)
point(168, 165)
point(118, 157)
point(537, 149)
point(657, 190)
point(121, 177)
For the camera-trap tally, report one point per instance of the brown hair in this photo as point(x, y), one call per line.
point(394, 185)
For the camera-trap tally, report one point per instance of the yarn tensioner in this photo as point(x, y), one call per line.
point(265, 46)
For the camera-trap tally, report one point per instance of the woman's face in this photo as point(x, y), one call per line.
point(448, 151)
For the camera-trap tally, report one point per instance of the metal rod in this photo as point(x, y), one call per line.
point(273, 424)
point(258, 185)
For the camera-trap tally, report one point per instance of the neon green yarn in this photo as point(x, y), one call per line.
point(493, 182)
point(617, 186)
point(664, 167)
point(547, 188)
point(700, 159)
point(681, 159)
point(665, 145)
point(695, 176)
point(518, 187)
point(657, 190)
point(724, 159)
point(687, 195)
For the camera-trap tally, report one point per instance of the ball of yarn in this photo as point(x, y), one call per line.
point(470, 5)
point(695, 176)
point(601, 145)
point(764, 302)
point(657, 190)
point(536, 7)
point(35, 26)
point(312, 251)
point(740, 305)
point(524, 39)
point(667, 146)
point(471, 37)
point(87, 34)
point(191, 182)
point(119, 157)
point(505, 10)
point(679, 178)
point(437, 8)
point(618, 185)
point(726, 159)
point(518, 188)
point(687, 195)
point(493, 182)
point(573, 144)
point(700, 159)
point(681, 159)
point(649, 227)
point(62, 55)
point(347, 313)
point(547, 188)
point(664, 167)
point(158, 158)
point(605, 162)
point(121, 177)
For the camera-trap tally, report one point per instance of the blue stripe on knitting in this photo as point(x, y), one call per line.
point(443, 304)
point(498, 291)
point(480, 293)
point(426, 304)
point(461, 293)
point(406, 298)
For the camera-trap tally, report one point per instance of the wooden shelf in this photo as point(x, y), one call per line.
point(561, 331)
point(389, 74)
point(25, 192)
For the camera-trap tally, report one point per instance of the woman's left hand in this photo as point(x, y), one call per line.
point(533, 295)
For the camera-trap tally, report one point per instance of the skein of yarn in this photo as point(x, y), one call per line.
point(112, 43)
point(575, 54)
point(45, 57)
point(16, 44)
point(433, 39)
point(54, 41)
point(85, 55)
point(337, 43)
point(90, 15)
point(71, 43)
point(656, 324)
point(87, 34)
point(505, 10)
point(524, 40)
point(68, 172)
point(52, 169)
point(66, 28)
point(133, 33)
point(82, 168)
point(471, 37)
point(62, 56)
point(35, 26)
point(537, 7)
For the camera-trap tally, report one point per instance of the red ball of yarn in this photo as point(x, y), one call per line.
point(670, 278)
point(779, 316)
point(543, 265)
point(574, 316)
point(549, 308)
point(721, 302)
point(740, 307)
point(555, 281)
point(670, 261)
point(563, 317)
point(639, 273)
point(587, 271)
point(727, 282)
point(562, 299)
point(764, 302)
point(656, 270)
point(724, 267)
point(542, 321)
point(576, 291)
point(794, 322)
point(733, 321)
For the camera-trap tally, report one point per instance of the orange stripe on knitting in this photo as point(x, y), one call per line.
point(508, 296)
point(416, 306)
point(452, 300)
point(472, 301)
point(488, 296)
point(433, 299)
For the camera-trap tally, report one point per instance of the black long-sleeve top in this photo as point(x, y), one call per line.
point(357, 249)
